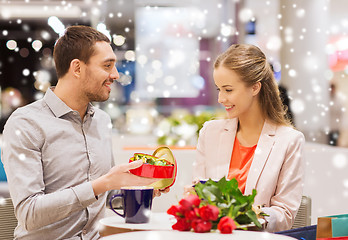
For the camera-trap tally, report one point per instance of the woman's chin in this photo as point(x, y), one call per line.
point(230, 115)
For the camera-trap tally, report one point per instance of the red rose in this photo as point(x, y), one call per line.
point(176, 210)
point(190, 202)
point(200, 226)
point(191, 214)
point(226, 225)
point(182, 224)
point(209, 212)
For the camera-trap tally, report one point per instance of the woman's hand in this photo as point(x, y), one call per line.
point(158, 192)
point(188, 190)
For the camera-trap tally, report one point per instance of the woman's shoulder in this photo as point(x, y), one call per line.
point(220, 123)
point(289, 132)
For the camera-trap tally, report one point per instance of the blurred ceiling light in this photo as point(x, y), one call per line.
point(130, 55)
point(150, 88)
point(42, 78)
point(156, 64)
point(56, 25)
point(36, 45)
point(11, 44)
point(274, 43)
point(245, 15)
point(45, 35)
point(118, 40)
point(142, 59)
point(176, 57)
point(101, 27)
point(150, 78)
point(124, 79)
point(226, 30)
point(198, 82)
point(26, 72)
point(38, 95)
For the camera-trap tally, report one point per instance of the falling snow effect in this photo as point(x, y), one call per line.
point(268, 27)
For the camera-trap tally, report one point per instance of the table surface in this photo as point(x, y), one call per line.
point(175, 235)
point(158, 221)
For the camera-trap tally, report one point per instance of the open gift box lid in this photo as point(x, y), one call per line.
point(166, 173)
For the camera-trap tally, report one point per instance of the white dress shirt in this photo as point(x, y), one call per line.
point(51, 157)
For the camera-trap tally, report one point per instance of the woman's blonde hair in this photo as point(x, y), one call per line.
point(250, 63)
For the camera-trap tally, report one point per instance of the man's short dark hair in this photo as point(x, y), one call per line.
point(76, 43)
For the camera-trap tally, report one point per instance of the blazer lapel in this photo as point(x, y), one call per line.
point(226, 142)
point(262, 151)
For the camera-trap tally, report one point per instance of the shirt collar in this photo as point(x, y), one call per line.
point(90, 109)
point(58, 107)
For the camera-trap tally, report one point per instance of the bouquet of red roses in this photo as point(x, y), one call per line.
point(216, 205)
point(190, 215)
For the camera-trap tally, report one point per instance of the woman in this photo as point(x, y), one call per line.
point(257, 145)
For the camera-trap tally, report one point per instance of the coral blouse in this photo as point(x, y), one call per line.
point(241, 160)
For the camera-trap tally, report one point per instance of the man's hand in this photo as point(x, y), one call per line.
point(119, 176)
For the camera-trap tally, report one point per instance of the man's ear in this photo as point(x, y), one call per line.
point(256, 88)
point(75, 67)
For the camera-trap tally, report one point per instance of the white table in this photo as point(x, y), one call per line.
point(158, 222)
point(176, 235)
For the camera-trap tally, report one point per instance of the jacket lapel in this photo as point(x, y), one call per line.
point(226, 142)
point(262, 151)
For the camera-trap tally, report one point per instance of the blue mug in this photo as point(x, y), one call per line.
point(137, 203)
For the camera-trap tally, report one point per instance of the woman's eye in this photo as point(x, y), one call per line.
point(218, 89)
point(228, 90)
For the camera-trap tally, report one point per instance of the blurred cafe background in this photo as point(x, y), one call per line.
point(166, 50)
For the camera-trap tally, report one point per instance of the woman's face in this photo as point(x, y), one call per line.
point(234, 95)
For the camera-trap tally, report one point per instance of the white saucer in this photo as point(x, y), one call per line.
point(158, 221)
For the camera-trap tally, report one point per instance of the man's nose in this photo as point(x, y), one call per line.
point(114, 74)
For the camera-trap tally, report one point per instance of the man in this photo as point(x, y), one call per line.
point(57, 151)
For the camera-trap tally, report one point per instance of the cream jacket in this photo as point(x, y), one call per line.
point(277, 170)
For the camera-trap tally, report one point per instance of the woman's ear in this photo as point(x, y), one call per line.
point(75, 67)
point(256, 88)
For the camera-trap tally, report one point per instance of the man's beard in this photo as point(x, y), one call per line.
point(93, 97)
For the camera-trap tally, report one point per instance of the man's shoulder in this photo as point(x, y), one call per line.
point(30, 113)
point(26, 110)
